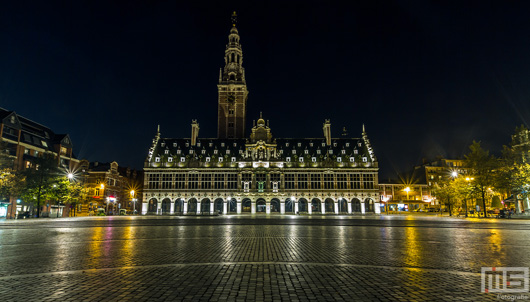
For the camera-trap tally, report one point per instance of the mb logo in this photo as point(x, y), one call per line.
point(504, 280)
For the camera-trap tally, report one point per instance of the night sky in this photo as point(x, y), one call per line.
point(426, 78)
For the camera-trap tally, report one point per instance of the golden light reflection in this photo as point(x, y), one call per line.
point(95, 247)
point(495, 246)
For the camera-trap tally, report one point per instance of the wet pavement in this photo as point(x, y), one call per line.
point(256, 258)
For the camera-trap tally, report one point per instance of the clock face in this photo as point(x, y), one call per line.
point(231, 98)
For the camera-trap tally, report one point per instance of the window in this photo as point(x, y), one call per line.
point(208, 159)
point(166, 151)
point(235, 145)
point(281, 151)
point(315, 181)
point(210, 144)
point(342, 181)
point(355, 151)
point(310, 144)
point(191, 151)
point(222, 144)
point(302, 181)
point(240, 151)
point(330, 151)
point(218, 181)
point(214, 151)
point(180, 181)
point(206, 181)
point(170, 159)
point(28, 164)
point(230, 125)
point(154, 181)
point(231, 111)
point(97, 192)
point(339, 159)
point(44, 144)
point(187, 144)
point(343, 151)
point(246, 186)
point(306, 151)
point(287, 159)
point(231, 181)
point(36, 153)
point(178, 151)
point(365, 159)
point(359, 144)
point(314, 159)
point(323, 144)
point(289, 181)
point(220, 159)
point(294, 151)
point(301, 159)
point(368, 181)
point(352, 159)
point(157, 159)
point(193, 181)
point(318, 151)
point(198, 144)
point(26, 151)
point(162, 144)
point(233, 159)
point(347, 145)
point(166, 181)
point(286, 144)
point(174, 144)
point(355, 181)
point(182, 159)
point(299, 145)
point(203, 151)
point(334, 144)
point(328, 181)
point(275, 186)
point(227, 151)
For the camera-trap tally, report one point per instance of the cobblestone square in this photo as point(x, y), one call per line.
point(255, 258)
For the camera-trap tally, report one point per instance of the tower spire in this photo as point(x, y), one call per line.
point(234, 19)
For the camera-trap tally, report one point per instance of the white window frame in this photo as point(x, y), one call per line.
point(234, 159)
point(157, 159)
point(220, 159)
point(301, 159)
point(343, 151)
point(166, 151)
point(318, 151)
point(214, 151)
point(352, 159)
point(170, 159)
point(365, 159)
point(288, 159)
point(208, 159)
point(306, 151)
point(339, 159)
point(314, 159)
point(182, 159)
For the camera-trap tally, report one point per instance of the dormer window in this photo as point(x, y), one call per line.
point(330, 151)
point(286, 144)
point(227, 151)
point(355, 151)
point(339, 159)
point(352, 159)
point(220, 159)
point(170, 159)
point(294, 151)
point(334, 144)
point(166, 151)
point(214, 151)
point(310, 144)
point(323, 144)
point(222, 144)
point(235, 145)
point(208, 159)
point(233, 159)
point(318, 151)
point(347, 145)
point(306, 151)
point(162, 144)
point(178, 151)
point(157, 159)
point(301, 159)
point(287, 159)
point(314, 159)
point(174, 144)
point(203, 151)
point(187, 144)
point(281, 151)
point(343, 151)
point(210, 144)
point(240, 151)
point(359, 144)
point(365, 159)
point(198, 144)
point(191, 151)
point(299, 145)
point(182, 159)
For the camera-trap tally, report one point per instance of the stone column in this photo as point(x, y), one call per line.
point(198, 207)
point(172, 208)
point(323, 207)
point(282, 207)
point(211, 207)
point(239, 206)
point(159, 208)
point(144, 208)
point(349, 207)
point(225, 207)
point(336, 207)
point(309, 208)
point(185, 207)
point(296, 206)
point(268, 207)
point(377, 208)
point(253, 207)
point(362, 207)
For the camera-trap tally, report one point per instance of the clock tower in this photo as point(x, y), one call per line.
point(232, 90)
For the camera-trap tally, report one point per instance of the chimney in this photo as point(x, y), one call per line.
point(327, 132)
point(194, 132)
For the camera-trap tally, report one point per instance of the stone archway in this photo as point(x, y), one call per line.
point(343, 205)
point(355, 205)
point(369, 205)
point(232, 205)
point(179, 206)
point(192, 206)
point(205, 206)
point(316, 206)
point(275, 205)
point(166, 206)
point(153, 205)
point(261, 206)
point(218, 205)
point(289, 206)
point(329, 206)
point(246, 205)
point(302, 205)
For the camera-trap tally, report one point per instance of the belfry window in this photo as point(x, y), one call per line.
point(231, 111)
point(230, 125)
point(314, 159)
point(287, 159)
point(207, 159)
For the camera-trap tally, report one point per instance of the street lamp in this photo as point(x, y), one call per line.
point(468, 179)
point(407, 189)
point(133, 200)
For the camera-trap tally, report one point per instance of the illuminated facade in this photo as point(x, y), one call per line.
point(234, 173)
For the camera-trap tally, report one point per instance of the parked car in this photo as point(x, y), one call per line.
point(23, 215)
point(100, 212)
point(123, 212)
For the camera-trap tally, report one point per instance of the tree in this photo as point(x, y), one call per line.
point(40, 180)
point(10, 181)
point(444, 190)
point(482, 167)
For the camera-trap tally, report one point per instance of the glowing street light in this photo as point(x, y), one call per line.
point(134, 201)
point(407, 189)
point(70, 176)
point(454, 174)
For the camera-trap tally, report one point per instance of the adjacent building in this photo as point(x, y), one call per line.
point(240, 172)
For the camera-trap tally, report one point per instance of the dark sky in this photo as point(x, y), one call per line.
point(426, 78)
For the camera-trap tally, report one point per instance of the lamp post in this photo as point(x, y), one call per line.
point(103, 194)
point(133, 200)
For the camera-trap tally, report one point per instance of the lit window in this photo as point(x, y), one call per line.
point(339, 159)
point(178, 151)
point(318, 151)
point(343, 152)
point(287, 159)
point(210, 144)
point(182, 159)
point(26, 151)
point(187, 144)
point(281, 151)
point(157, 159)
point(233, 159)
point(294, 151)
point(330, 151)
point(347, 145)
point(359, 144)
point(166, 152)
point(207, 159)
point(365, 159)
point(220, 159)
point(310, 144)
point(352, 159)
point(44, 144)
point(334, 144)
point(227, 151)
point(299, 145)
point(323, 144)
point(222, 144)
point(306, 151)
point(286, 144)
point(170, 159)
point(214, 151)
point(36, 153)
point(191, 151)
point(235, 145)
point(355, 151)
point(314, 159)
point(240, 151)
point(174, 144)
point(301, 159)
point(163, 144)
point(28, 164)
point(203, 151)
